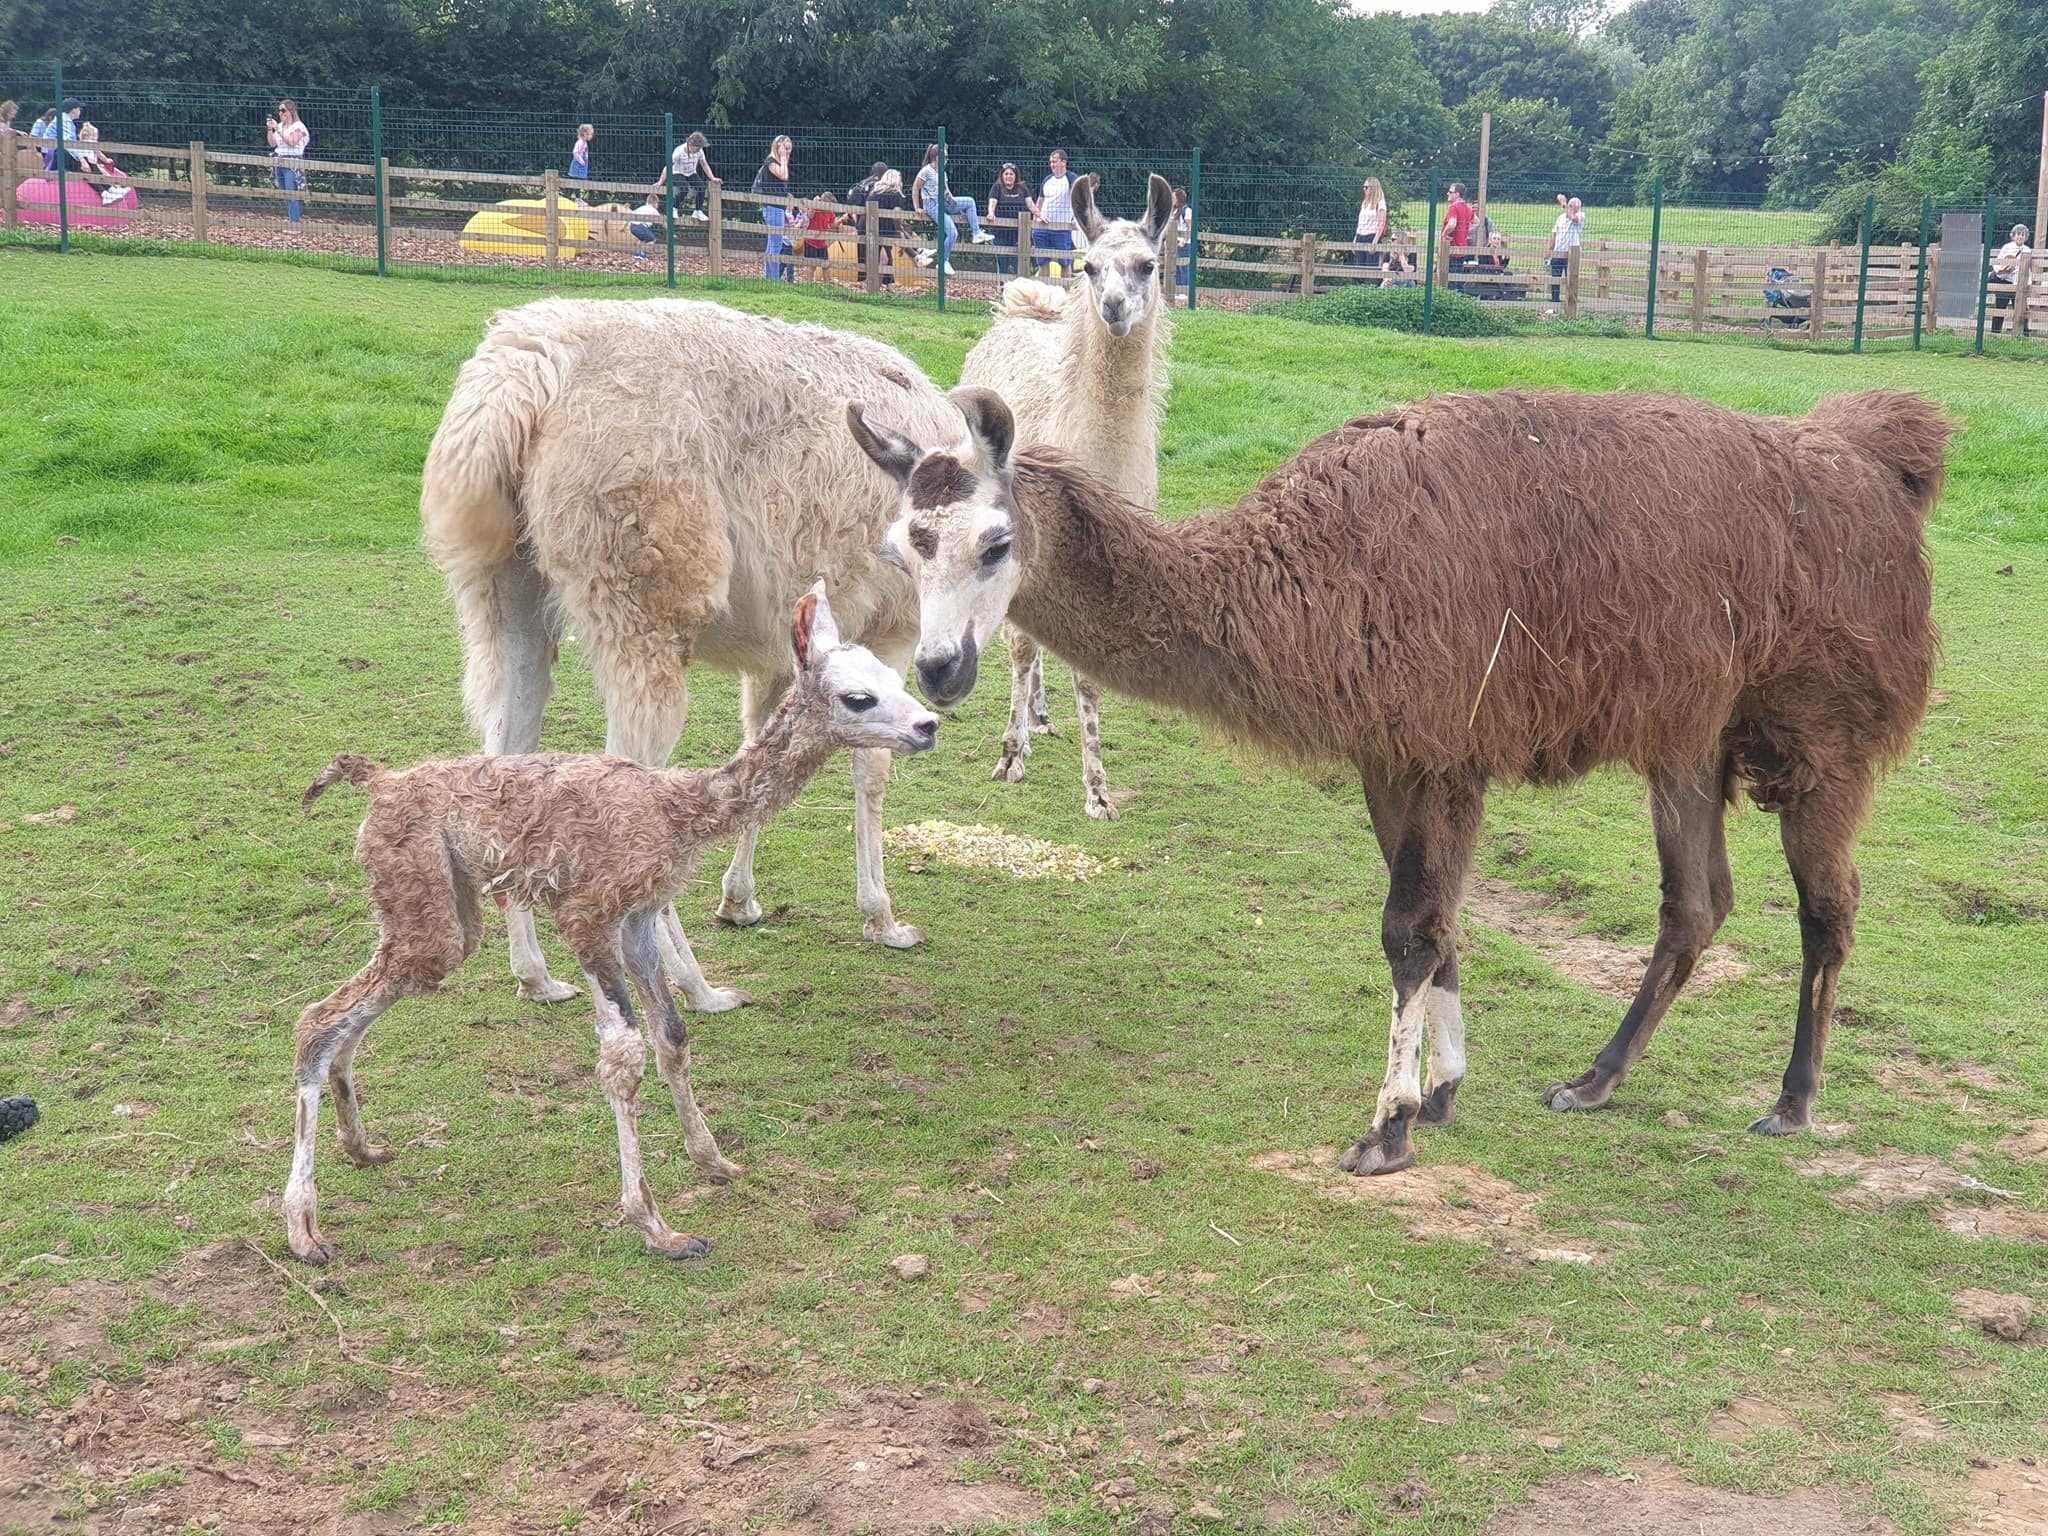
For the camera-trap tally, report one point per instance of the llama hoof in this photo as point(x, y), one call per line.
point(680, 1245)
point(1011, 768)
point(1387, 1150)
point(1580, 1093)
point(1780, 1122)
point(722, 1000)
point(1041, 726)
point(318, 1253)
point(1436, 1105)
point(1097, 805)
point(739, 914)
point(546, 990)
point(368, 1156)
point(719, 1171)
point(893, 934)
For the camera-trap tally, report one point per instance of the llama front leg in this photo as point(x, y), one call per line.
point(870, 786)
point(1427, 859)
point(328, 1033)
point(672, 1051)
point(1094, 781)
point(737, 906)
point(1446, 1044)
point(1027, 680)
point(1692, 854)
point(621, 1067)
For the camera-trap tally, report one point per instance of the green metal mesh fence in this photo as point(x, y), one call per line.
point(504, 195)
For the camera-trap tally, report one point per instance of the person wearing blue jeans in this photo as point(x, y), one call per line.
point(1008, 198)
point(772, 180)
point(940, 208)
point(288, 140)
point(1053, 205)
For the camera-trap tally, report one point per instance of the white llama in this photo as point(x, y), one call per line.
point(666, 478)
point(1084, 371)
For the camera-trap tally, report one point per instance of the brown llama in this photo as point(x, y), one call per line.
point(606, 844)
point(1508, 587)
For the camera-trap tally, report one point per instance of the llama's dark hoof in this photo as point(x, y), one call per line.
point(368, 1156)
point(1780, 1122)
point(681, 1246)
point(319, 1254)
point(16, 1116)
point(1585, 1091)
point(1436, 1105)
point(1388, 1149)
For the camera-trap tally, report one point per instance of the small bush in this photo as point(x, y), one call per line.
point(1400, 309)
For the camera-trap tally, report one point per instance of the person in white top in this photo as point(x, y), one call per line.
point(2005, 269)
point(1371, 227)
point(288, 140)
point(1565, 235)
point(1053, 205)
point(693, 175)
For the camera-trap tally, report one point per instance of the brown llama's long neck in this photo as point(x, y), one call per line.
point(766, 775)
point(1124, 598)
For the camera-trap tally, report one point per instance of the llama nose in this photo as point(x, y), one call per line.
point(946, 670)
point(926, 730)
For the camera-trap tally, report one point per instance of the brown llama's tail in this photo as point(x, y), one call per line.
point(359, 771)
point(1908, 434)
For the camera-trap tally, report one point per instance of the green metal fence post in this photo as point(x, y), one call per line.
point(668, 132)
point(939, 226)
point(63, 196)
point(1863, 270)
point(1429, 261)
point(1984, 271)
point(1656, 237)
point(1194, 220)
point(377, 170)
point(1920, 278)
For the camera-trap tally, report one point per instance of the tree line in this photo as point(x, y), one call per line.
point(1781, 102)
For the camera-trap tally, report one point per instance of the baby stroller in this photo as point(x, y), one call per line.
point(1784, 304)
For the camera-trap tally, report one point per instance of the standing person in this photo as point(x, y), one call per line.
point(887, 196)
point(2005, 269)
point(288, 140)
point(938, 204)
point(1457, 230)
point(1008, 198)
point(1371, 228)
point(1183, 238)
point(1053, 205)
point(772, 181)
point(1565, 236)
point(579, 152)
point(691, 169)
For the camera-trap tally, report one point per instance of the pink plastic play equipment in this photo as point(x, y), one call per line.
point(36, 202)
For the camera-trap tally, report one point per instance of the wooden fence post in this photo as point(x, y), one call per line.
point(1933, 317)
point(1699, 289)
point(715, 236)
point(197, 152)
point(2022, 286)
point(1443, 266)
point(1308, 266)
point(7, 174)
point(1571, 283)
point(551, 191)
point(1817, 310)
point(1601, 272)
point(871, 240)
point(1024, 243)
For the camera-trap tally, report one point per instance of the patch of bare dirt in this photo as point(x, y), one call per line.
point(1748, 1416)
point(226, 1279)
point(2006, 1498)
point(1960, 1085)
point(1889, 1178)
point(2030, 1144)
point(2006, 1222)
point(1436, 1200)
point(1614, 970)
point(2006, 1315)
point(1909, 1416)
point(1657, 1500)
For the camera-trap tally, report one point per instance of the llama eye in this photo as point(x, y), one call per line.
point(1091, 269)
point(859, 703)
point(1147, 268)
point(995, 555)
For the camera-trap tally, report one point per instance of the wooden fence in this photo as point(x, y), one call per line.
point(412, 215)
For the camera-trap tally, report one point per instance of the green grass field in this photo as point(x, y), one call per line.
point(1093, 1108)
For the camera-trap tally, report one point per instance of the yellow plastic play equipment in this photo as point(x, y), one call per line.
point(519, 227)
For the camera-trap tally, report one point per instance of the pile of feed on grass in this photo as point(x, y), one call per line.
point(979, 847)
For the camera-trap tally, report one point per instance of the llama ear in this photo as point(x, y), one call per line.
point(896, 454)
point(800, 628)
point(824, 631)
point(990, 426)
point(1086, 214)
point(1158, 208)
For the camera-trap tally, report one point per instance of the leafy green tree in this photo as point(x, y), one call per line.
point(1848, 113)
point(1533, 150)
point(1983, 89)
point(1651, 29)
point(1483, 55)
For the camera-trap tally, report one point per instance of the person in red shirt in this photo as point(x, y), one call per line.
point(1457, 230)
